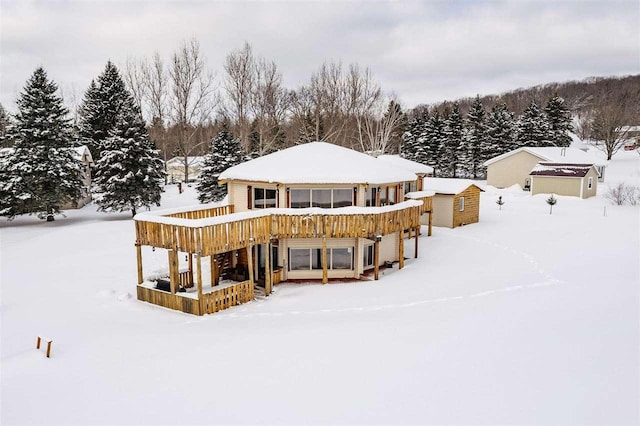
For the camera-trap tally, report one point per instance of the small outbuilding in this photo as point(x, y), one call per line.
point(577, 180)
point(514, 167)
point(456, 201)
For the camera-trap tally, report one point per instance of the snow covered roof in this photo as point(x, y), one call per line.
point(412, 166)
point(191, 161)
point(419, 194)
point(449, 186)
point(317, 162)
point(561, 170)
point(555, 155)
point(80, 152)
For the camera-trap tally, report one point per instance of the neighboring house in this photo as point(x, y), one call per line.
point(456, 201)
point(578, 180)
point(314, 211)
point(81, 154)
point(514, 167)
point(419, 169)
point(176, 167)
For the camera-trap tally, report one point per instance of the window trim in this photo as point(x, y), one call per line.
point(353, 199)
point(351, 249)
point(590, 183)
point(264, 190)
point(461, 204)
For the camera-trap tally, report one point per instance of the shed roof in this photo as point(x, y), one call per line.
point(412, 166)
point(554, 154)
point(317, 162)
point(448, 186)
point(561, 170)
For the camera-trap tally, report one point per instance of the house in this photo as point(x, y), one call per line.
point(315, 211)
point(176, 167)
point(578, 180)
point(456, 201)
point(83, 155)
point(514, 167)
point(419, 169)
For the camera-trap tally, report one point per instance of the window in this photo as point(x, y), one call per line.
point(264, 198)
point(461, 204)
point(383, 196)
point(368, 256)
point(590, 185)
point(370, 197)
point(323, 198)
point(388, 195)
point(391, 198)
point(410, 186)
point(311, 259)
point(300, 198)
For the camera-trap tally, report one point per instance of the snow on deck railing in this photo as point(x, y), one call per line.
point(159, 216)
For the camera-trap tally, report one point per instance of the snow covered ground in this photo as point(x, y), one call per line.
point(524, 317)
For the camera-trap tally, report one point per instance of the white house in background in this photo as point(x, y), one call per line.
point(419, 169)
point(81, 154)
point(514, 167)
point(176, 166)
point(577, 180)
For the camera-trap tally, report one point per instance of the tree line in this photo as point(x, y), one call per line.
point(456, 145)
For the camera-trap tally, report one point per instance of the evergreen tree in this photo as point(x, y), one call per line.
point(454, 150)
point(433, 145)
point(224, 152)
point(559, 119)
point(5, 121)
point(532, 128)
point(130, 172)
point(40, 175)
point(412, 136)
point(500, 132)
point(476, 138)
point(101, 107)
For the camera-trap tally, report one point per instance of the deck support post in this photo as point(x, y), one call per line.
point(401, 249)
point(417, 235)
point(213, 266)
point(325, 263)
point(250, 263)
point(190, 268)
point(376, 259)
point(267, 268)
point(173, 269)
point(199, 283)
point(430, 222)
point(139, 258)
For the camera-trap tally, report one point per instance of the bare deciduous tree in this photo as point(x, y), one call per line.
point(239, 85)
point(133, 76)
point(377, 126)
point(192, 98)
point(611, 121)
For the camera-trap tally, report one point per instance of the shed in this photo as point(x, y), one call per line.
point(577, 180)
point(456, 201)
point(514, 167)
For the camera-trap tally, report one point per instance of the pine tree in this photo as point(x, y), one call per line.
point(5, 121)
point(434, 145)
point(224, 152)
point(500, 132)
point(454, 150)
point(40, 175)
point(476, 138)
point(532, 128)
point(411, 138)
point(559, 119)
point(101, 107)
point(130, 172)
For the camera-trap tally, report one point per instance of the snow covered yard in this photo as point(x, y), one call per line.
point(524, 317)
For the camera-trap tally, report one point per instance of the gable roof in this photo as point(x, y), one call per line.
point(561, 170)
point(412, 166)
point(554, 154)
point(191, 161)
point(317, 162)
point(448, 186)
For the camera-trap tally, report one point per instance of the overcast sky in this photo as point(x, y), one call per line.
point(422, 51)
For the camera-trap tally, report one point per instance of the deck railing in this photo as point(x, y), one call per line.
point(237, 233)
point(215, 301)
point(203, 213)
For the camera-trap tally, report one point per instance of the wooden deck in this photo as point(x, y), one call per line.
point(209, 232)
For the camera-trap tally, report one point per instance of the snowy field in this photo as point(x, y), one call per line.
point(524, 317)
